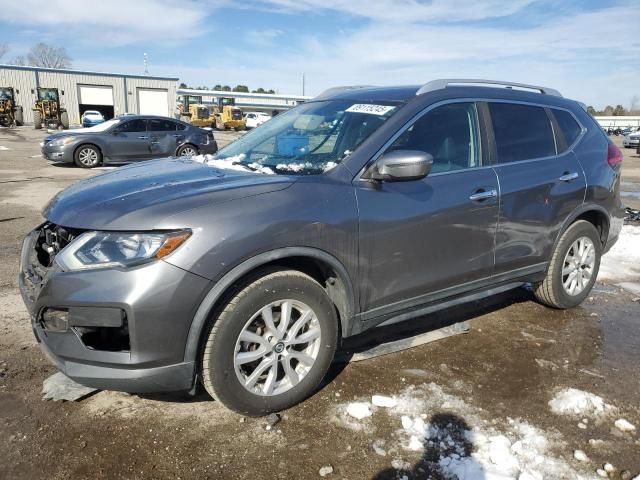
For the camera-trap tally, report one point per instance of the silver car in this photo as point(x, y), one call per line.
point(128, 139)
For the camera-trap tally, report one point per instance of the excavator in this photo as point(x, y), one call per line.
point(10, 113)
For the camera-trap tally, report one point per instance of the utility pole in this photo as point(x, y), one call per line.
point(302, 83)
point(146, 64)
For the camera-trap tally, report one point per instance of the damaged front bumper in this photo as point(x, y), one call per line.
point(113, 328)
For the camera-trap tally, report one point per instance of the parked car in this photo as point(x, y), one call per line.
point(127, 139)
point(631, 140)
point(91, 118)
point(255, 119)
point(245, 272)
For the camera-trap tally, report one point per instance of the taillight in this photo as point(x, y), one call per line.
point(614, 156)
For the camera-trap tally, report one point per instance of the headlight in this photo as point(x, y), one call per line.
point(113, 249)
point(61, 142)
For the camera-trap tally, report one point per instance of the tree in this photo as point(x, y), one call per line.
point(591, 110)
point(183, 85)
point(4, 48)
point(240, 88)
point(226, 88)
point(259, 90)
point(619, 111)
point(48, 56)
point(217, 87)
point(272, 91)
point(20, 61)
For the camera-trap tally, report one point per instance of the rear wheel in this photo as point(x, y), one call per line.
point(37, 119)
point(88, 156)
point(573, 268)
point(271, 345)
point(187, 150)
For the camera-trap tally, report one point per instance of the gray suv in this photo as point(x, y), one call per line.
point(129, 138)
point(363, 207)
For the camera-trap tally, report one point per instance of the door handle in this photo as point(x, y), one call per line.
point(567, 177)
point(483, 195)
point(177, 136)
point(143, 137)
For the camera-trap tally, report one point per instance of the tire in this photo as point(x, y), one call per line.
point(552, 290)
point(37, 119)
point(87, 156)
point(64, 120)
point(270, 289)
point(19, 116)
point(187, 150)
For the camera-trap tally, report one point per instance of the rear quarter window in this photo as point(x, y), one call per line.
point(568, 126)
point(522, 132)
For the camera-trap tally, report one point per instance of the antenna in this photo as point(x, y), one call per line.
point(146, 64)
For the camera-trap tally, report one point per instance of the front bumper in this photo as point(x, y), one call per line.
point(57, 154)
point(630, 142)
point(157, 301)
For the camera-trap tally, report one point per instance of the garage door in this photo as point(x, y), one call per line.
point(95, 95)
point(153, 102)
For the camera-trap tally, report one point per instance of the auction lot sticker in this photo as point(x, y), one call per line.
point(369, 108)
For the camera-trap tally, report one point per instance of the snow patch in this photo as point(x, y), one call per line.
point(359, 410)
point(624, 426)
point(621, 265)
point(383, 401)
point(571, 401)
point(2, 147)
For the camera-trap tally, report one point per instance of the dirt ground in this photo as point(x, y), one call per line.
point(515, 358)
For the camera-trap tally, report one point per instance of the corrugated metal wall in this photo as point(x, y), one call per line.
point(125, 89)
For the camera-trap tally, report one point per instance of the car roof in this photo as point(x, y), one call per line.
point(449, 89)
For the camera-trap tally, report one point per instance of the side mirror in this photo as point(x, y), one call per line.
point(401, 165)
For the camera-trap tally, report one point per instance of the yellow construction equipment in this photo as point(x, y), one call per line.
point(222, 115)
point(10, 113)
point(47, 110)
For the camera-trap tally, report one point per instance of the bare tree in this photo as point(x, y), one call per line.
point(20, 61)
point(48, 56)
point(634, 107)
point(4, 48)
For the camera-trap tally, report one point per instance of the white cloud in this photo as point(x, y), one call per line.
point(263, 38)
point(116, 22)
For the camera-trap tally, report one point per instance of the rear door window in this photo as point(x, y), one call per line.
point(568, 126)
point(161, 125)
point(522, 132)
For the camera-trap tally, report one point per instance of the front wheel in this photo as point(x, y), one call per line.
point(87, 156)
point(573, 268)
point(271, 345)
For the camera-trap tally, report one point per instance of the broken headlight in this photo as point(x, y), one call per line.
point(115, 249)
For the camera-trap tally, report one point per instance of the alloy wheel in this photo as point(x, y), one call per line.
point(88, 157)
point(277, 347)
point(578, 266)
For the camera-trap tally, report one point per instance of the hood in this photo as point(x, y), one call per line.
point(139, 197)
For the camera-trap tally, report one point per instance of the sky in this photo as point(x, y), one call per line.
point(589, 50)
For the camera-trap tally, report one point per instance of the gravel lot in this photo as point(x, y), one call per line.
point(495, 381)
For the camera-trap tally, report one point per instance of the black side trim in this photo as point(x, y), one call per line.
point(427, 303)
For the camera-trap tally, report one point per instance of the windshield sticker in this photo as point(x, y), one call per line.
point(369, 108)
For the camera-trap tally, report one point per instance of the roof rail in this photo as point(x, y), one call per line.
point(445, 82)
point(333, 90)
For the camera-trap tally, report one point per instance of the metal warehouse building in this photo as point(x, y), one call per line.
point(110, 93)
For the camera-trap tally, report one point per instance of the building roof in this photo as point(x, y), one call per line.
point(86, 72)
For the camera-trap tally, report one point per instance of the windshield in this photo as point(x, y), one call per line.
point(101, 127)
point(309, 139)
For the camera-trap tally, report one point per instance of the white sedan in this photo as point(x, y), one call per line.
point(255, 119)
point(631, 140)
